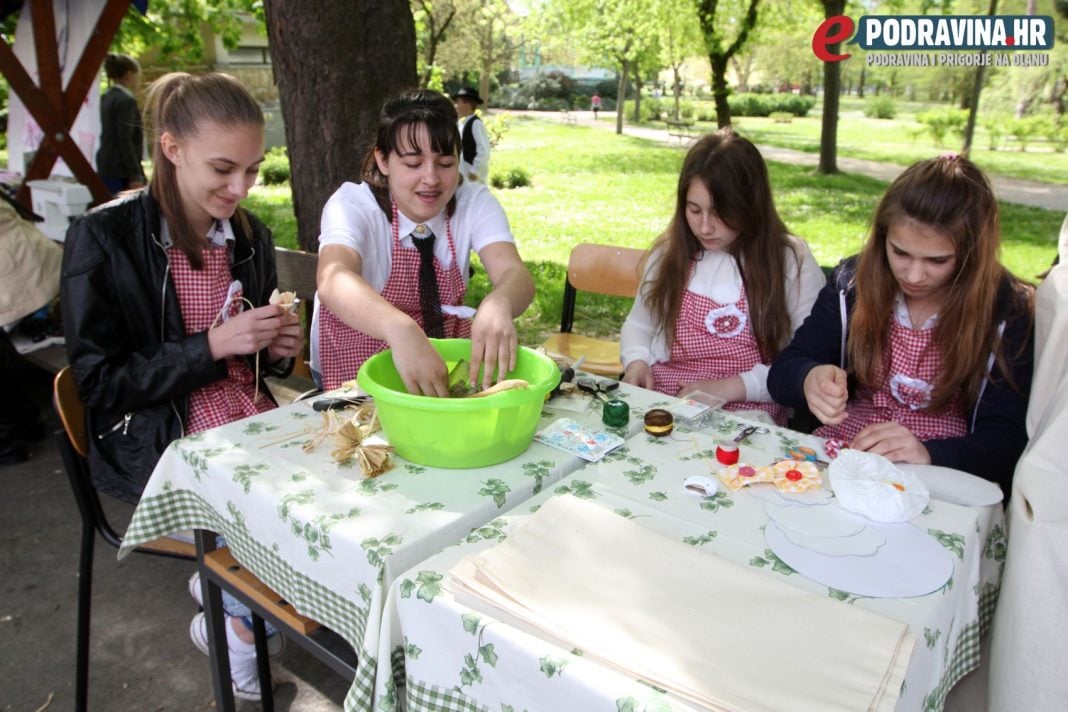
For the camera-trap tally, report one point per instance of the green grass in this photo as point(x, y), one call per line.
point(590, 185)
point(902, 141)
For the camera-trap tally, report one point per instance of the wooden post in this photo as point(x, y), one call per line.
point(53, 108)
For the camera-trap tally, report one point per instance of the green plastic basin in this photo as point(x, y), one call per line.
point(459, 432)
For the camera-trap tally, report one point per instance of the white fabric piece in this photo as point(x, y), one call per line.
point(716, 276)
point(874, 487)
point(955, 486)
point(1030, 650)
point(910, 563)
point(741, 639)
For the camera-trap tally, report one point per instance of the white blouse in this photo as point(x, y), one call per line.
point(716, 276)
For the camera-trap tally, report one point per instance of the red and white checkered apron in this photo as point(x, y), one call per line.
point(912, 370)
point(342, 349)
point(201, 295)
point(712, 341)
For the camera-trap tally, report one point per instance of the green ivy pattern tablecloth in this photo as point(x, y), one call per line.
point(447, 656)
point(319, 533)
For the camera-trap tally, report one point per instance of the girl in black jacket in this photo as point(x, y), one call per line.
point(165, 299)
point(920, 349)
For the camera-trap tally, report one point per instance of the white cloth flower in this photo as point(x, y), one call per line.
point(726, 322)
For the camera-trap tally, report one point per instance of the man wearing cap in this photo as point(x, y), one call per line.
point(474, 139)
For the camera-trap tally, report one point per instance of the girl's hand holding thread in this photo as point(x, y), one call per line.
point(493, 340)
point(639, 374)
point(893, 441)
point(289, 343)
point(246, 333)
point(826, 393)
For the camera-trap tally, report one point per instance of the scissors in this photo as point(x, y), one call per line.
point(750, 430)
point(596, 387)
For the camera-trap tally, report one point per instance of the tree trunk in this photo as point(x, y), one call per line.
point(973, 110)
point(677, 88)
point(637, 94)
point(832, 82)
point(720, 90)
point(334, 63)
point(621, 96)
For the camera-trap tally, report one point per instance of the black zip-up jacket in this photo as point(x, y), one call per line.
point(133, 363)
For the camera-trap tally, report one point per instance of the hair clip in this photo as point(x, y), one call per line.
point(951, 156)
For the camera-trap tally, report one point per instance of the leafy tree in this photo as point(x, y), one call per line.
point(432, 20)
point(171, 30)
point(484, 38)
point(617, 32)
point(679, 40)
point(715, 23)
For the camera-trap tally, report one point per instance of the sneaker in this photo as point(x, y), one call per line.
point(276, 642)
point(244, 675)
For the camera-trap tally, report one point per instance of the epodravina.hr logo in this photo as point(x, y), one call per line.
point(943, 39)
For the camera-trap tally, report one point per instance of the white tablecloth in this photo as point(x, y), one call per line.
point(454, 654)
point(319, 533)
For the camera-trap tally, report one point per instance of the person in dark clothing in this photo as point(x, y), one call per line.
point(921, 348)
point(474, 139)
point(118, 160)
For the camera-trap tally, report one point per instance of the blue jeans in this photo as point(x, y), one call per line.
point(236, 608)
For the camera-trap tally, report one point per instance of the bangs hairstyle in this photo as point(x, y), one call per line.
point(179, 104)
point(951, 195)
point(399, 123)
point(735, 175)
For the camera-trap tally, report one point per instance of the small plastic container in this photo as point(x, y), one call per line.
point(659, 422)
point(615, 413)
point(727, 453)
point(696, 410)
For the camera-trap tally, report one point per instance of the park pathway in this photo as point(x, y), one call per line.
point(1049, 196)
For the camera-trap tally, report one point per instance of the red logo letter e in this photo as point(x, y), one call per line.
point(831, 31)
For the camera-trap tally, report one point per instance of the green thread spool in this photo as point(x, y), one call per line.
point(615, 413)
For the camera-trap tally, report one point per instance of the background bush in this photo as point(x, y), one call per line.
point(943, 122)
point(515, 177)
point(275, 167)
point(880, 107)
point(766, 104)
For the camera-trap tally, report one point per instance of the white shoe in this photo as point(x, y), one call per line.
point(244, 675)
point(276, 642)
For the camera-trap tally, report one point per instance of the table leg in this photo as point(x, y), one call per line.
point(263, 662)
point(216, 619)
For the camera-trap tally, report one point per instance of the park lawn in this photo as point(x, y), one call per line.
point(589, 185)
point(902, 140)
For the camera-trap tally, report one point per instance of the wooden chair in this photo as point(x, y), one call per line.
point(73, 443)
point(296, 273)
point(600, 269)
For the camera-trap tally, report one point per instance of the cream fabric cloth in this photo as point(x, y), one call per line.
point(29, 266)
point(1029, 651)
point(715, 633)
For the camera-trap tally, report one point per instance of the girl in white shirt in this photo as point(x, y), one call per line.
point(369, 295)
point(724, 287)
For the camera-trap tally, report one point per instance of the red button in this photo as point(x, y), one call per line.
point(793, 475)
